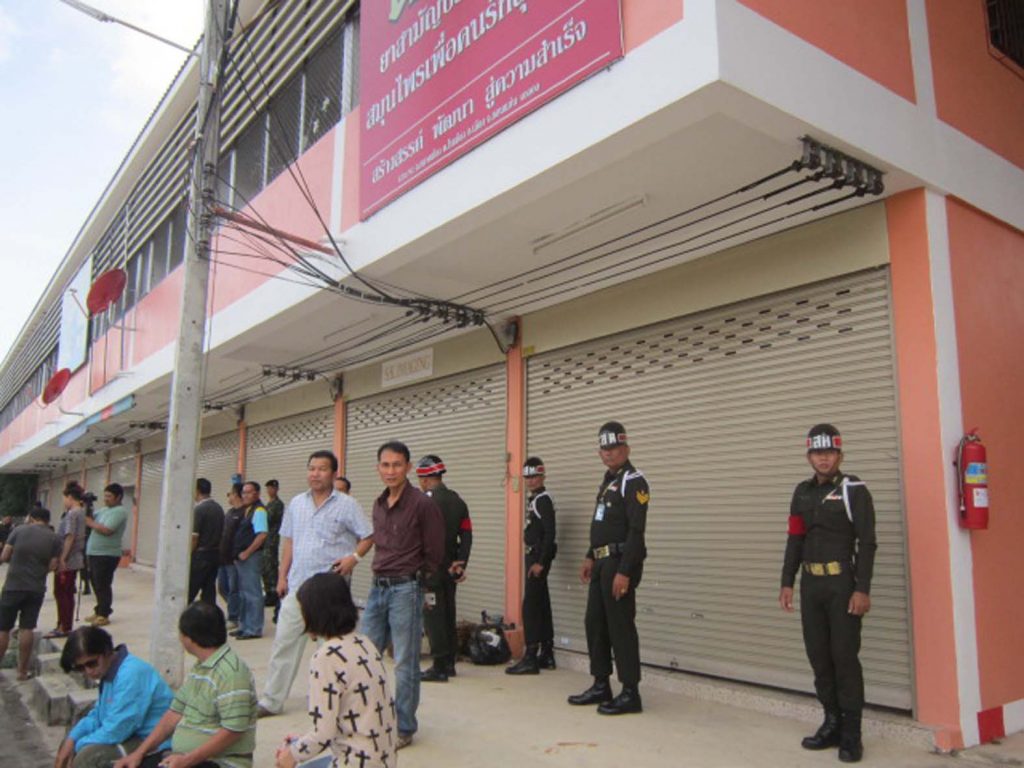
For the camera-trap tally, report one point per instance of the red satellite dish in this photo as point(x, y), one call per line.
point(55, 386)
point(106, 290)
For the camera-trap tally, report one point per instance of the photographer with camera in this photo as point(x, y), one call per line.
point(103, 550)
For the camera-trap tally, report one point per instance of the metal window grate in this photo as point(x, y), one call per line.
point(1006, 27)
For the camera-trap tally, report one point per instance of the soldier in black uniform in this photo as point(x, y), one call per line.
point(832, 540)
point(613, 567)
point(439, 611)
point(539, 538)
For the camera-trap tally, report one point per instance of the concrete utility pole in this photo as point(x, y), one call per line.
point(183, 428)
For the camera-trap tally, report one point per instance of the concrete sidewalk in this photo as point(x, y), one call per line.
point(484, 717)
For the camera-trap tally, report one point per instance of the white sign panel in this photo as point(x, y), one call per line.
point(74, 325)
point(412, 367)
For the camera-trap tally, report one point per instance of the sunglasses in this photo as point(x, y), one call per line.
point(87, 664)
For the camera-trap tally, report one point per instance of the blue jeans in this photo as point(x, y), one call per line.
point(227, 585)
point(395, 615)
point(250, 591)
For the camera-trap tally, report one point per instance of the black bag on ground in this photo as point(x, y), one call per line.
point(487, 643)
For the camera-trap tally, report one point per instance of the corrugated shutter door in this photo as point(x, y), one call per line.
point(717, 406)
point(95, 482)
point(123, 472)
point(280, 449)
point(217, 462)
point(149, 507)
point(462, 419)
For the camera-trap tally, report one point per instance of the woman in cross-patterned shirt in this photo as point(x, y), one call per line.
point(350, 692)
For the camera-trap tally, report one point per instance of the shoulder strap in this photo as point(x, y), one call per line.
point(626, 477)
point(533, 503)
point(846, 485)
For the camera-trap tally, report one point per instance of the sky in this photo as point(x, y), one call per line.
point(75, 93)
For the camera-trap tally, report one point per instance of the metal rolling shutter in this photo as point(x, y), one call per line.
point(149, 507)
point(462, 419)
point(217, 462)
point(95, 481)
point(123, 472)
point(280, 449)
point(717, 405)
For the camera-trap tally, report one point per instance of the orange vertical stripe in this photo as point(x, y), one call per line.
point(243, 446)
point(135, 503)
point(515, 448)
point(923, 461)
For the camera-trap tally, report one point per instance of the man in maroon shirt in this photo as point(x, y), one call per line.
point(408, 536)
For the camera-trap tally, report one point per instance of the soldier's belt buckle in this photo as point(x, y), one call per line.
point(601, 552)
point(832, 568)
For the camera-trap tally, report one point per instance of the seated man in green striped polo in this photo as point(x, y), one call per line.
point(212, 720)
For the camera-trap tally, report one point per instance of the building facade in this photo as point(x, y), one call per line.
point(485, 228)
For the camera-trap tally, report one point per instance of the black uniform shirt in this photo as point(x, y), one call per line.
point(458, 528)
point(820, 531)
point(620, 516)
point(539, 534)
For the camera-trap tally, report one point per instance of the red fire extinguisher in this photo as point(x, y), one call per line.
point(972, 474)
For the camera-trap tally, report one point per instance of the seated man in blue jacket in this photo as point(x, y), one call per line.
point(133, 697)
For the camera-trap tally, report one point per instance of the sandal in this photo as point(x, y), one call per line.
point(55, 633)
point(22, 678)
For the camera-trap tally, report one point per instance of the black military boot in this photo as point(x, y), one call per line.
point(626, 702)
point(546, 657)
point(528, 665)
point(598, 693)
point(827, 735)
point(851, 749)
point(436, 674)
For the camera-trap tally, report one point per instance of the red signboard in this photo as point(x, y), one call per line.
point(439, 77)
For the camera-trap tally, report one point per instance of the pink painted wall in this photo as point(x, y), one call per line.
point(975, 91)
point(987, 260)
point(36, 416)
point(642, 20)
point(871, 36)
point(155, 317)
point(280, 205)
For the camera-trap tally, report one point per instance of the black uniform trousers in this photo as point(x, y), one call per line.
point(832, 640)
point(537, 624)
point(439, 620)
point(611, 625)
point(202, 576)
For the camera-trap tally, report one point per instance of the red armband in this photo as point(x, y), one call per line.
point(466, 524)
point(796, 526)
